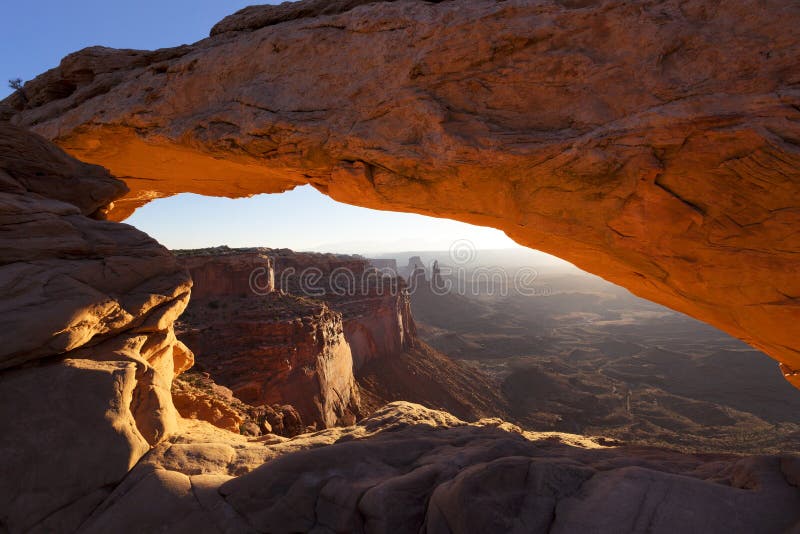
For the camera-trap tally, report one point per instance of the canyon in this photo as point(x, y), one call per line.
point(682, 187)
point(316, 332)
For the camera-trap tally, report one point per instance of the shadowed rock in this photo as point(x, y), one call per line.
point(410, 469)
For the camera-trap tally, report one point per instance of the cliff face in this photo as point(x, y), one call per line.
point(84, 418)
point(299, 345)
point(87, 347)
point(375, 305)
point(653, 143)
point(335, 340)
point(276, 349)
point(221, 275)
point(378, 327)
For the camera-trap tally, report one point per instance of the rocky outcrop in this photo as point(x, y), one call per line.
point(653, 143)
point(276, 349)
point(87, 346)
point(371, 308)
point(410, 469)
point(68, 436)
point(258, 344)
point(217, 274)
point(197, 397)
point(375, 305)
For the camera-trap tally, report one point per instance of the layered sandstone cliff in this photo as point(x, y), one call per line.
point(375, 305)
point(273, 345)
point(280, 327)
point(216, 274)
point(276, 349)
point(654, 143)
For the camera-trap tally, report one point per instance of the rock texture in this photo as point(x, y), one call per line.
point(216, 273)
point(410, 469)
point(375, 304)
point(198, 398)
point(276, 349)
point(87, 345)
point(68, 436)
point(654, 143)
point(270, 347)
point(78, 413)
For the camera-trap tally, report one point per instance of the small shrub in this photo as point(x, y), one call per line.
point(15, 84)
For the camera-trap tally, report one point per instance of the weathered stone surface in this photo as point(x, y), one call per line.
point(276, 349)
point(410, 469)
point(69, 280)
point(375, 305)
point(205, 400)
point(255, 17)
point(67, 436)
point(153, 500)
point(653, 143)
point(240, 338)
point(223, 272)
point(87, 347)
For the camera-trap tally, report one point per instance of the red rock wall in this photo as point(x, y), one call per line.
point(241, 275)
point(267, 347)
point(383, 330)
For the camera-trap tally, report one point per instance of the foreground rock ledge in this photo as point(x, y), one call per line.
point(655, 143)
point(408, 469)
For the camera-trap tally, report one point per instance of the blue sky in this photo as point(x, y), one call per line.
point(37, 34)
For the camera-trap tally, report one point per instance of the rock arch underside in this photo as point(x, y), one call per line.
point(653, 143)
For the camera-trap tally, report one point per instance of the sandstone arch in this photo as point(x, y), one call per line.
point(656, 144)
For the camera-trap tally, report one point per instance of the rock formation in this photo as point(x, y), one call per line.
point(87, 351)
point(276, 349)
point(216, 274)
point(198, 397)
point(92, 442)
point(654, 143)
point(375, 305)
point(399, 471)
point(387, 265)
point(266, 346)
